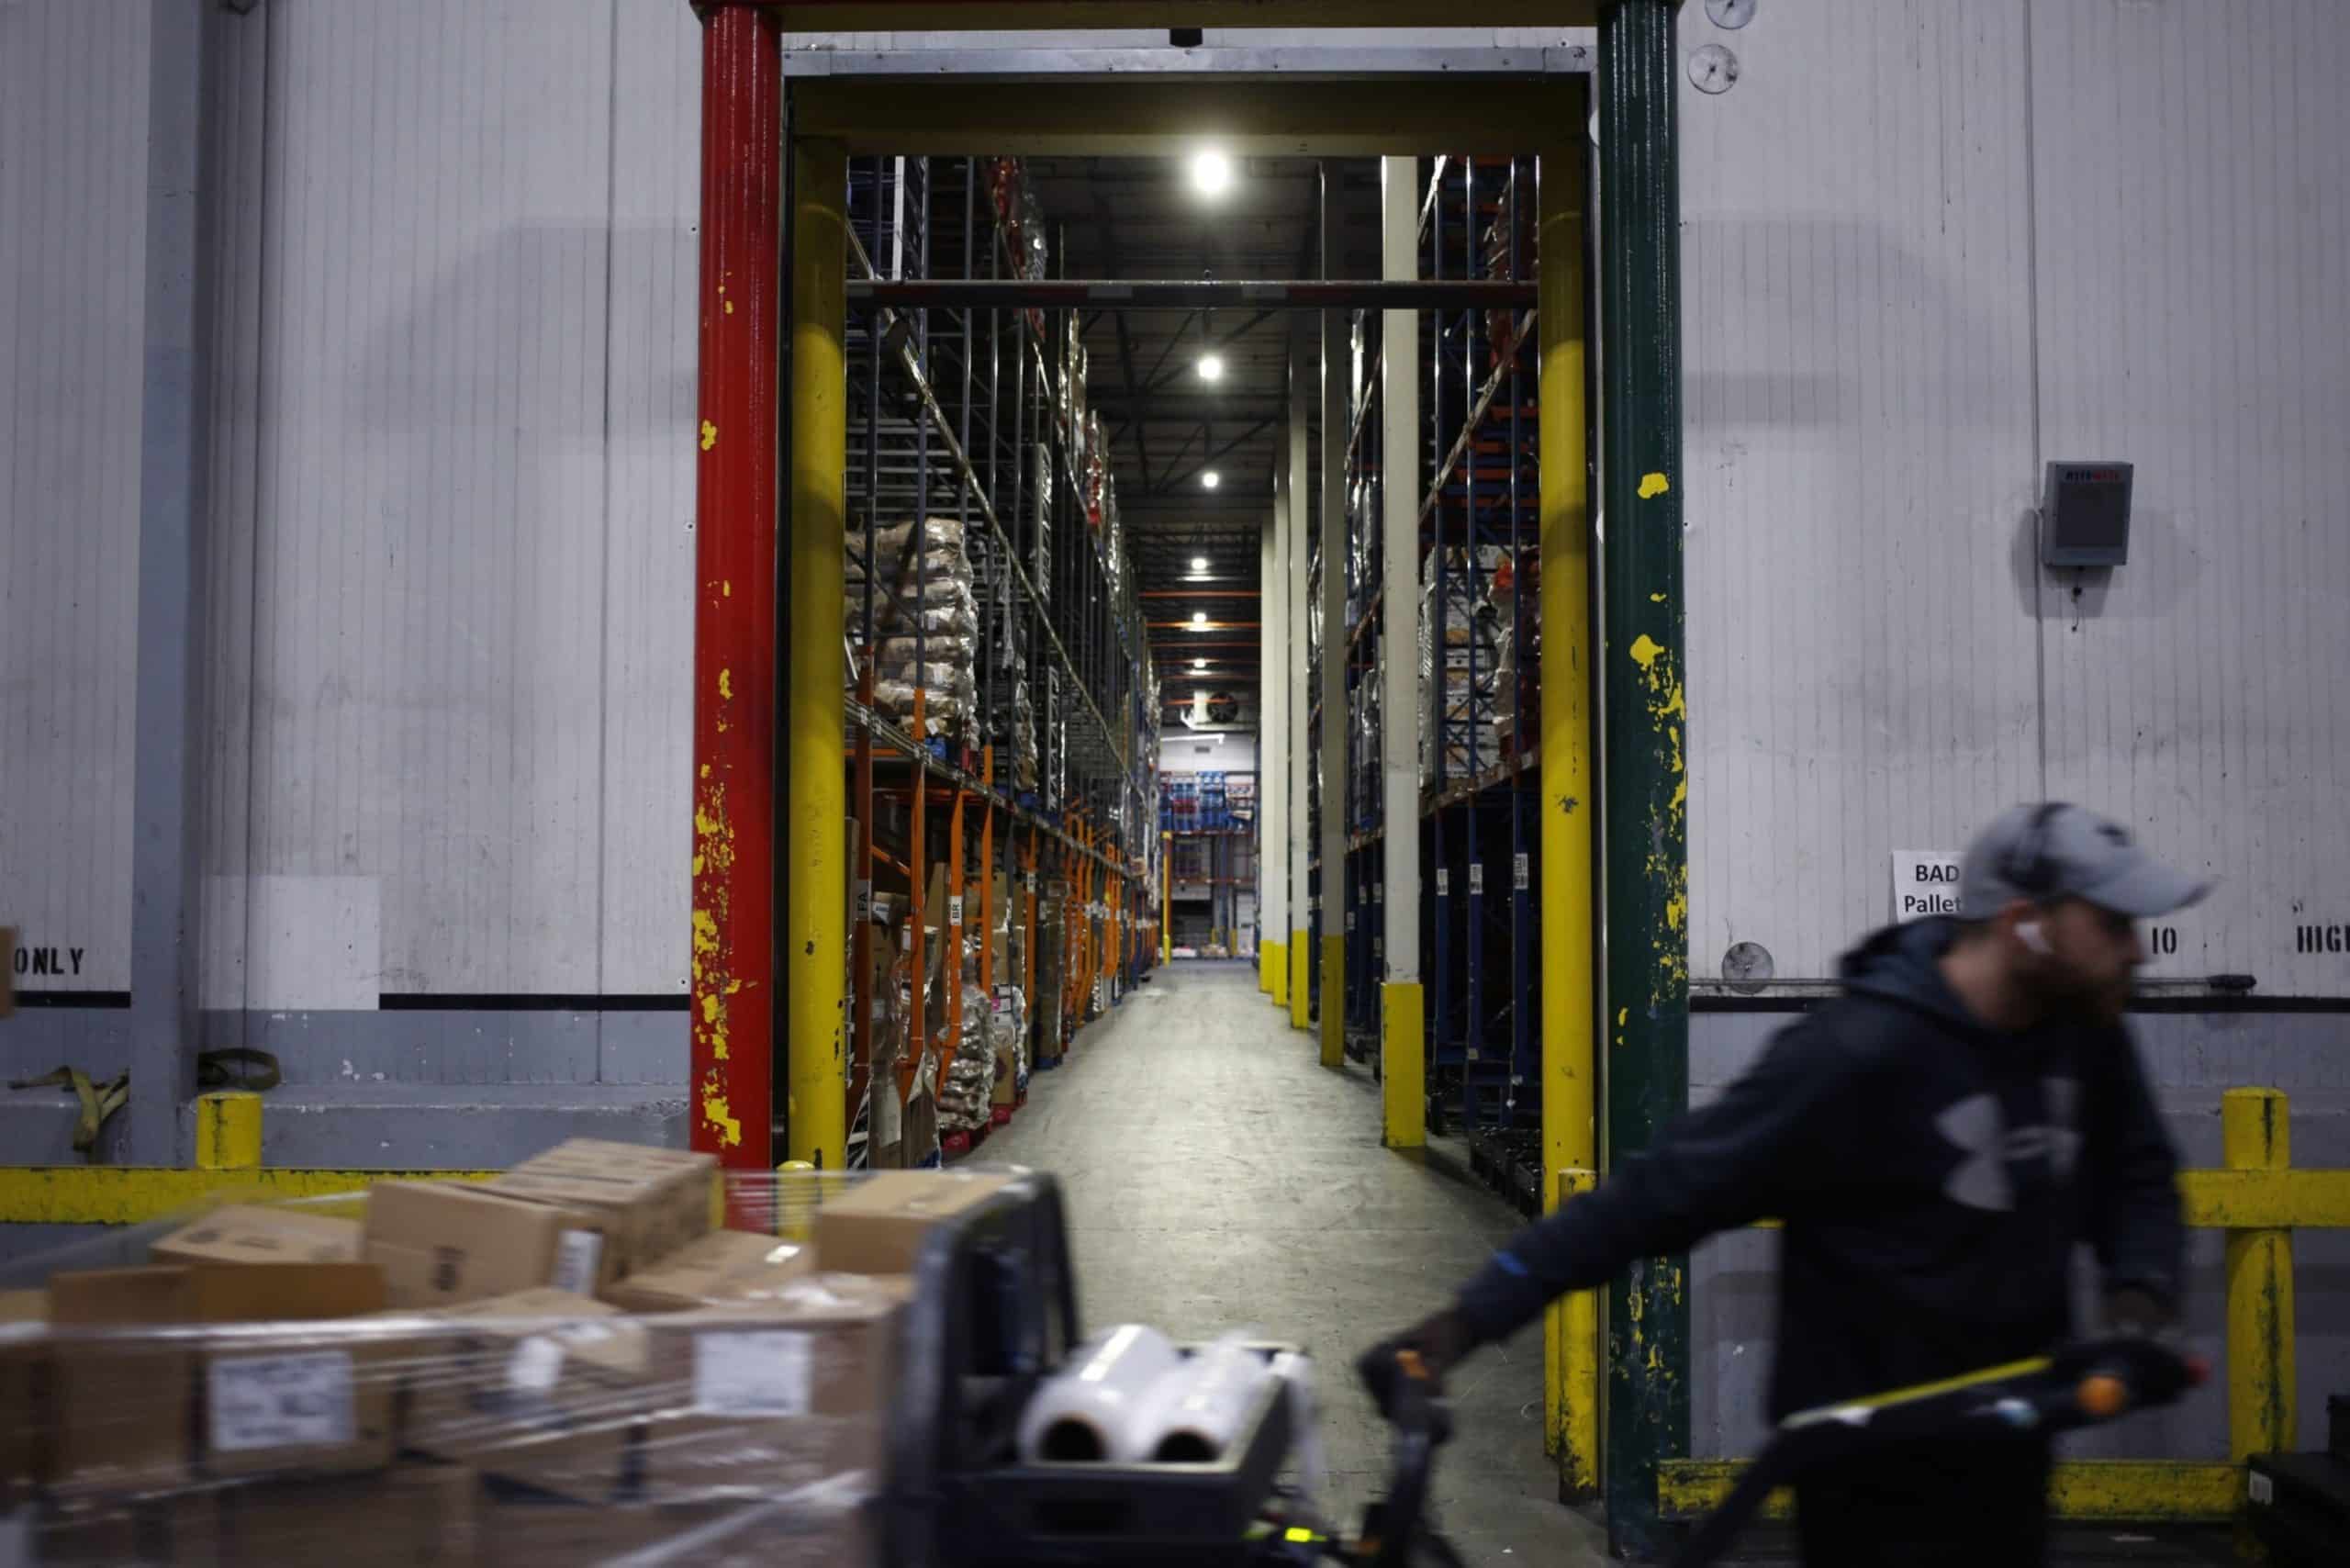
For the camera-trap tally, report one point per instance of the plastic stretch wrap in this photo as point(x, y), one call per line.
point(348, 1382)
point(1100, 1405)
point(1197, 1410)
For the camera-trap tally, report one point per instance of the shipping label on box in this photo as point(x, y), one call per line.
point(263, 1402)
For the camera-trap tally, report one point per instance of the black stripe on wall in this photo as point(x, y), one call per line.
point(529, 1002)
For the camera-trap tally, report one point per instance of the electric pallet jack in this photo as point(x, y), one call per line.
point(995, 1312)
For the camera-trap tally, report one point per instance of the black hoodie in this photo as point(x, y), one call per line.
point(1933, 1176)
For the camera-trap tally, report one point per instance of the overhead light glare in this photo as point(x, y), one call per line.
point(1199, 620)
point(1209, 481)
point(1211, 367)
point(1211, 172)
point(1199, 563)
point(1199, 663)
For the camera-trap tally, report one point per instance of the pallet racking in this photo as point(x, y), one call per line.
point(1479, 630)
point(1026, 739)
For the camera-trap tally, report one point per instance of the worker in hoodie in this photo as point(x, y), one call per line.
point(1937, 1141)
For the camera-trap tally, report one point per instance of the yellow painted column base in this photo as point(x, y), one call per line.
point(1300, 990)
point(1334, 1001)
point(1403, 1065)
point(1275, 969)
point(228, 1131)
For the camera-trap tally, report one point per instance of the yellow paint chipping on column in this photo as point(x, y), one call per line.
point(708, 435)
point(1567, 889)
point(815, 917)
point(1653, 486)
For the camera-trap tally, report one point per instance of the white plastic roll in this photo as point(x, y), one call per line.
point(1198, 1409)
point(1094, 1408)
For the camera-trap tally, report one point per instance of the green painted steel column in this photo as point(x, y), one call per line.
point(1644, 785)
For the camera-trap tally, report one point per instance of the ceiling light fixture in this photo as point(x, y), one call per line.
point(1208, 481)
point(1211, 367)
point(1199, 563)
point(1199, 620)
point(1199, 663)
point(1211, 172)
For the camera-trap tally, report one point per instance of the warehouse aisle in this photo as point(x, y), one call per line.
point(1218, 1177)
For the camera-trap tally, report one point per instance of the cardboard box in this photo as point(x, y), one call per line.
point(877, 1227)
point(541, 1387)
point(444, 1243)
point(253, 1233)
point(122, 1403)
point(126, 1403)
point(412, 1516)
point(761, 1397)
point(723, 1266)
point(24, 1392)
point(106, 1531)
point(652, 1201)
point(309, 1403)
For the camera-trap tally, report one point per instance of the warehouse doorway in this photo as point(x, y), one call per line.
point(847, 112)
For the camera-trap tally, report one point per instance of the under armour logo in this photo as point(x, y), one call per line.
point(1980, 1181)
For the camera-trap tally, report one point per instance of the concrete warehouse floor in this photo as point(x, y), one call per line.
point(1217, 1178)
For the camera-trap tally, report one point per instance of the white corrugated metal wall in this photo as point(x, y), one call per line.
point(72, 259)
point(1926, 249)
point(2017, 232)
point(451, 652)
point(2193, 296)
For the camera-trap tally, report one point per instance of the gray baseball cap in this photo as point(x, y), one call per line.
point(2054, 850)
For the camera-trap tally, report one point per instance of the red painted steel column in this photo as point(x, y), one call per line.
point(734, 990)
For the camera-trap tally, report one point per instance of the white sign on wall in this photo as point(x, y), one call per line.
point(1925, 881)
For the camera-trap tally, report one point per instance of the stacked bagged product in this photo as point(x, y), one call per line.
point(925, 620)
point(1008, 722)
point(966, 1091)
point(1460, 687)
point(1517, 599)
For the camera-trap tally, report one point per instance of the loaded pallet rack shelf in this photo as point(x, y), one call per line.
point(1479, 533)
point(1209, 821)
point(999, 705)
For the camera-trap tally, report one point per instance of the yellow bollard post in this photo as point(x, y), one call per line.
point(2255, 1135)
point(1403, 1065)
point(228, 1131)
